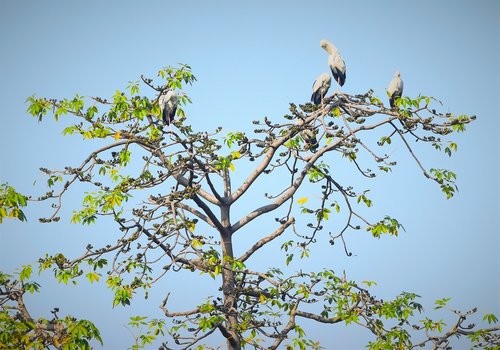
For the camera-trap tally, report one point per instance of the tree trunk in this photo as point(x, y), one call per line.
point(228, 283)
point(228, 289)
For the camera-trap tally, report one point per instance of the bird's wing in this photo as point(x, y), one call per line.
point(338, 68)
point(316, 97)
point(392, 87)
point(395, 90)
point(171, 114)
point(165, 116)
point(327, 82)
point(316, 85)
point(161, 101)
point(320, 88)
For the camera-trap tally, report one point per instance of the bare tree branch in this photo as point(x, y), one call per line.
point(267, 239)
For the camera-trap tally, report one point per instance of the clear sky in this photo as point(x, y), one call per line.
point(251, 59)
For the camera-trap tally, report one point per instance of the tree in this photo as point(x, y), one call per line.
point(184, 179)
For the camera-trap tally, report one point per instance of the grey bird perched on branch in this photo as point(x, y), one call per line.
point(168, 106)
point(395, 89)
point(335, 61)
point(320, 88)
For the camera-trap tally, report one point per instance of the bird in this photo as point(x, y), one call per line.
point(168, 106)
point(320, 88)
point(309, 137)
point(395, 88)
point(335, 61)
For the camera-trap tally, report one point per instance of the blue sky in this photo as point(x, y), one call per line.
point(251, 60)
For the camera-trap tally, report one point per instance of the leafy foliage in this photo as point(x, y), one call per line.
point(11, 203)
point(18, 330)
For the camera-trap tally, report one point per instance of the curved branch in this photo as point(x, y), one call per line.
point(196, 213)
point(318, 317)
point(411, 152)
point(202, 205)
point(266, 239)
point(176, 314)
point(270, 154)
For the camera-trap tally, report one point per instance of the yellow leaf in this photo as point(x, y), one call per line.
point(117, 135)
point(262, 298)
point(231, 166)
point(92, 276)
point(195, 243)
point(302, 200)
point(190, 226)
point(236, 155)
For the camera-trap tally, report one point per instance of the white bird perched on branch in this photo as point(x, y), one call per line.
point(395, 88)
point(320, 88)
point(335, 61)
point(168, 106)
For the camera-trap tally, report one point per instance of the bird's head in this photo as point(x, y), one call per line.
point(172, 94)
point(325, 77)
point(327, 46)
point(397, 74)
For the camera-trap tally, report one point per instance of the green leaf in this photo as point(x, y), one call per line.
point(490, 318)
point(369, 283)
point(25, 273)
point(441, 303)
point(64, 276)
point(123, 295)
